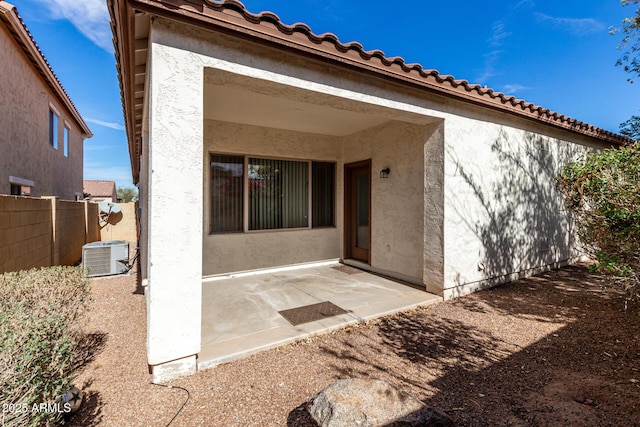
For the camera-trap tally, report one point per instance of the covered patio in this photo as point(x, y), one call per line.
point(259, 145)
point(240, 313)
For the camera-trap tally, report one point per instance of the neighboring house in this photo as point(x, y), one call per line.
point(100, 191)
point(42, 132)
point(257, 144)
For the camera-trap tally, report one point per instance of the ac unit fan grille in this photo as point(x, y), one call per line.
point(98, 260)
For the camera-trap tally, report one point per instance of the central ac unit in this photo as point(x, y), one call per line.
point(105, 258)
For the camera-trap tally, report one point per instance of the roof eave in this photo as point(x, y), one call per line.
point(122, 27)
point(210, 15)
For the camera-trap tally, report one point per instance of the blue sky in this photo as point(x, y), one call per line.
point(557, 54)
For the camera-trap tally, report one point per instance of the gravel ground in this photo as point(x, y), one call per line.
point(556, 349)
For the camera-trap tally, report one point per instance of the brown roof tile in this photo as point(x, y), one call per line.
point(397, 64)
point(230, 16)
point(99, 188)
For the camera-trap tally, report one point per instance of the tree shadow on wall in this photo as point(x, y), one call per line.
point(517, 213)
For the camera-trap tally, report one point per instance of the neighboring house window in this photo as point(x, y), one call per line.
point(20, 190)
point(53, 129)
point(277, 193)
point(66, 141)
point(20, 186)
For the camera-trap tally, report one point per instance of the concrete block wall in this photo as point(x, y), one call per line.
point(69, 232)
point(26, 238)
point(41, 232)
point(92, 224)
point(122, 226)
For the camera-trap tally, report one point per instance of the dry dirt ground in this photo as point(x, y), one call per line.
point(551, 350)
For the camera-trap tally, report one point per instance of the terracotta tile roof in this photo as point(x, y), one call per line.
point(18, 29)
point(396, 64)
point(99, 188)
point(231, 17)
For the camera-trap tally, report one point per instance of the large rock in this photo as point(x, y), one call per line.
point(368, 403)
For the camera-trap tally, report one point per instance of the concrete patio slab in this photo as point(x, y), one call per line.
point(240, 314)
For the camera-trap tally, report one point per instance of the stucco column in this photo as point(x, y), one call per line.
point(433, 272)
point(175, 202)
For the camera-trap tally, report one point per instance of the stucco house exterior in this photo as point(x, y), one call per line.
point(270, 145)
point(42, 132)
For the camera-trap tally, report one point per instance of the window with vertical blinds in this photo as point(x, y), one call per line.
point(279, 194)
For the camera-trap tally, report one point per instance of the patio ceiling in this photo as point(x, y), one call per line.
point(231, 104)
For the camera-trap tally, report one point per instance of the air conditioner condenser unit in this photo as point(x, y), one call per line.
point(105, 258)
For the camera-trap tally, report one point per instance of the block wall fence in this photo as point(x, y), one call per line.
point(41, 232)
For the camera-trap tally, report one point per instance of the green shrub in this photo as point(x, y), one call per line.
point(603, 193)
point(41, 313)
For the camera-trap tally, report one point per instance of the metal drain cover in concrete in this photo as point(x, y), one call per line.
point(347, 269)
point(311, 313)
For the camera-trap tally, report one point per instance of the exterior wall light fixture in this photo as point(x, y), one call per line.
point(384, 173)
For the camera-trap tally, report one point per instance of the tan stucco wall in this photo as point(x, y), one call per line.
point(458, 154)
point(224, 253)
point(24, 140)
point(144, 213)
point(503, 213)
point(456, 171)
point(397, 202)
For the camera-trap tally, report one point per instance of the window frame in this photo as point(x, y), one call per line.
point(22, 185)
point(66, 138)
point(54, 125)
point(245, 194)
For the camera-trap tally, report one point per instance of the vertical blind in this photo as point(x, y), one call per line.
point(227, 176)
point(278, 194)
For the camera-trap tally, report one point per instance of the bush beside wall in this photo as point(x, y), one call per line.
point(41, 315)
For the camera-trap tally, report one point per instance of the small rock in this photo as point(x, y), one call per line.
point(368, 403)
point(72, 399)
